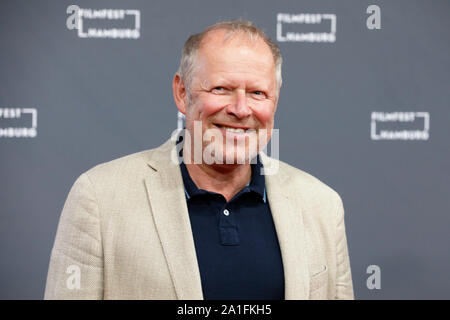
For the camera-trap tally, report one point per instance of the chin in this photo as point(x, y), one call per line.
point(239, 156)
point(229, 152)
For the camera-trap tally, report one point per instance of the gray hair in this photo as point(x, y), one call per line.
point(190, 49)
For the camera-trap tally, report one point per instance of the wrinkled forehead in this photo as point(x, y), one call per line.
point(217, 41)
point(227, 52)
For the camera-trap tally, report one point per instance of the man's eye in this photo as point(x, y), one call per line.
point(259, 94)
point(218, 89)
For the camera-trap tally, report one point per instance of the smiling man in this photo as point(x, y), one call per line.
point(231, 87)
point(212, 225)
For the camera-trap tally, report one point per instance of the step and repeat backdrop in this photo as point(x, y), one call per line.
point(364, 107)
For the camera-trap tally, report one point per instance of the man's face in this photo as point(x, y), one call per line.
point(233, 91)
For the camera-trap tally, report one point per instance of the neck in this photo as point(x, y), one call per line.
point(226, 179)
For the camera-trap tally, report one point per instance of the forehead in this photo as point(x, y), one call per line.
point(221, 51)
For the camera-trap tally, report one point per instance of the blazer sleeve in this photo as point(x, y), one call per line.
point(344, 285)
point(76, 262)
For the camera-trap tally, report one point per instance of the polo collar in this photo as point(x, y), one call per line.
point(256, 183)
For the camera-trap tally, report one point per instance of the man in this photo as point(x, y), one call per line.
point(212, 226)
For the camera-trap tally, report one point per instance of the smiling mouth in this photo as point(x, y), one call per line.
point(234, 129)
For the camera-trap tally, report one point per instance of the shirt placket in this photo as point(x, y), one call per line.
point(229, 235)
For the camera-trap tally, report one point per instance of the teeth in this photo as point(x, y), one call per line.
point(236, 130)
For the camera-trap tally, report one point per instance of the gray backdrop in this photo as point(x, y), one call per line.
point(97, 99)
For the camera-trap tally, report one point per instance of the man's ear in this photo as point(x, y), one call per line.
point(179, 93)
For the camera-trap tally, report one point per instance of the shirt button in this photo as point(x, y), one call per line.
point(226, 212)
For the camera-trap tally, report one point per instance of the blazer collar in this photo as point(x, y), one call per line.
point(166, 194)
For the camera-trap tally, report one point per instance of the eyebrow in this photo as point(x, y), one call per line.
point(231, 83)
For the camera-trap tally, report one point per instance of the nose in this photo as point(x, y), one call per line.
point(239, 107)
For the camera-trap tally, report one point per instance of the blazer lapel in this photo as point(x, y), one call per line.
point(167, 200)
point(287, 215)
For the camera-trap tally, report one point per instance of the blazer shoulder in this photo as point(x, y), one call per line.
point(129, 168)
point(112, 167)
point(131, 164)
point(306, 182)
point(319, 199)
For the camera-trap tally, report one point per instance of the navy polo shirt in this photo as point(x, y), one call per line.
point(236, 243)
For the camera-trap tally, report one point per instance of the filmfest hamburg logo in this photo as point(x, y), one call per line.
point(296, 27)
point(13, 123)
point(400, 125)
point(79, 17)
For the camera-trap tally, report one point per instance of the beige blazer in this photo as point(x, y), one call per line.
point(124, 233)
